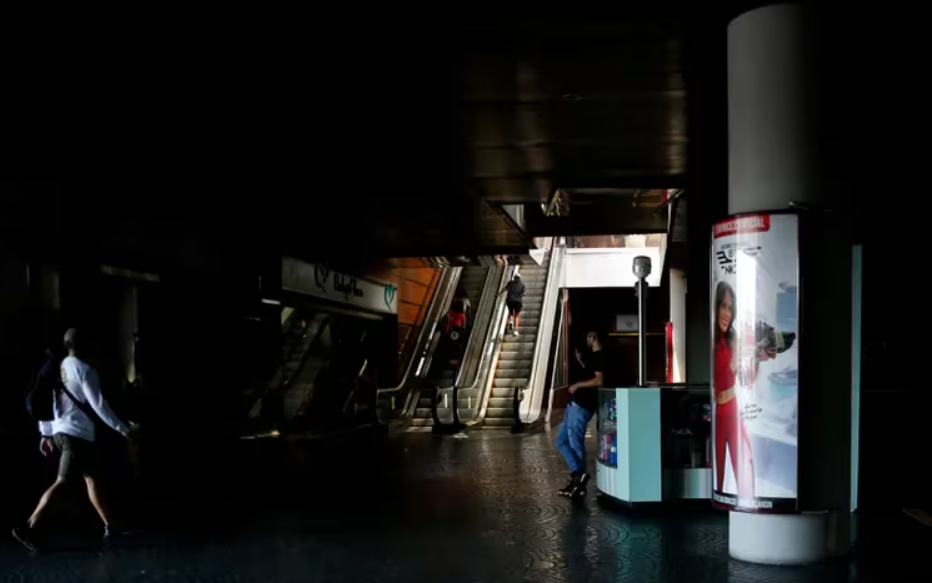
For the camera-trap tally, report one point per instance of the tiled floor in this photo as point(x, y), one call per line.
point(420, 508)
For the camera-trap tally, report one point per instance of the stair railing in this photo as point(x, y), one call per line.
point(531, 401)
point(492, 352)
point(490, 348)
point(439, 304)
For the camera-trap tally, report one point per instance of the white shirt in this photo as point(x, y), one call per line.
point(82, 382)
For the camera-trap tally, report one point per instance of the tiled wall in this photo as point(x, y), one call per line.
point(415, 289)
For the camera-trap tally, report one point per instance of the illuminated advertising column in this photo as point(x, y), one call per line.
point(754, 314)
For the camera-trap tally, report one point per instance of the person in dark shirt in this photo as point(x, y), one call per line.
point(571, 441)
point(515, 301)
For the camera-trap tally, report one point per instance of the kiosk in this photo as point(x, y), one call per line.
point(654, 444)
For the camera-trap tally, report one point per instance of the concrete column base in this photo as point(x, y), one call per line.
point(788, 539)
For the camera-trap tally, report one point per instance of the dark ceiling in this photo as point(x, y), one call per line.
point(507, 112)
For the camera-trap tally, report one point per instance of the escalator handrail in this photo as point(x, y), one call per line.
point(492, 348)
point(485, 300)
point(553, 393)
point(555, 359)
point(307, 353)
point(540, 358)
point(441, 296)
point(491, 306)
point(495, 306)
point(426, 354)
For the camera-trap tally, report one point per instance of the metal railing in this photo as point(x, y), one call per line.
point(559, 380)
point(531, 401)
point(445, 397)
point(439, 304)
point(557, 401)
point(489, 357)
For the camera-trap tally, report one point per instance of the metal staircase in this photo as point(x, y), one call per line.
point(296, 342)
point(300, 366)
point(516, 356)
point(441, 373)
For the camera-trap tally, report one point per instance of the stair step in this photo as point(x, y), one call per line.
point(514, 364)
point(422, 422)
point(510, 383)
point(502, 392)
point(521, 338)
point(499, 413)
point(501, 402)
point(513, 373)
point(499, 423)
point(517, 348)
point(420, 413)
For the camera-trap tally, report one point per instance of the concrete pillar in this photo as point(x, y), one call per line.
point(678, 319)
point(773, 165)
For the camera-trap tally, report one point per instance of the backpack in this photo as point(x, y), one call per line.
point(40, 402)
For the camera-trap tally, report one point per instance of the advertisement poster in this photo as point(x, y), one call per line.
point(754, 313)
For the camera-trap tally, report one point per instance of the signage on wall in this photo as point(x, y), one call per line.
point(317, 279)
point(626, 323)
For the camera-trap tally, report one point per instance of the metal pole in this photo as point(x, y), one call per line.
point(641, 269)
point(642, 331)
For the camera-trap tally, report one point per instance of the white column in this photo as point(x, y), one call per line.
point(678, 319)
point(773, 162)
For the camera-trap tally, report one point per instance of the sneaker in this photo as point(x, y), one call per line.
point(579, 489)
point(515, 333)
point(22, 534)
point(569, 488)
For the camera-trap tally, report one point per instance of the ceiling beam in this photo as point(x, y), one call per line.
point(610, 219)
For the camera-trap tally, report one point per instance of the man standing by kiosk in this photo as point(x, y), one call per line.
point(584, 400)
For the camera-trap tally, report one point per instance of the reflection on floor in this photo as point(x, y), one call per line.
point(420, 508)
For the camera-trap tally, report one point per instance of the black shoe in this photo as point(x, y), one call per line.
point(579, 491)
point(22, 534)
point(570, 486)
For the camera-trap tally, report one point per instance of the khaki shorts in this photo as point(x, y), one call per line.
point(79, 457)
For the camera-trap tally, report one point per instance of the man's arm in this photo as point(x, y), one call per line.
point(95, 399)
point(45, 427)
point(594, 382)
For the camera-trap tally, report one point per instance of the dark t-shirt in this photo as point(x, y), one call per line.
point(588, 397)
point(515, 290)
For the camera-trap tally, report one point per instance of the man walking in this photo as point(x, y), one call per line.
point(571, 441)
point(514, 301)
point(76, 404)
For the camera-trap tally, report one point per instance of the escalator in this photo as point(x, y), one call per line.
point(512, 381)
point(513, 370)
point(450, 358)
point(396, 406)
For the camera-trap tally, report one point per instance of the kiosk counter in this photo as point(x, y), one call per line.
point(653, 444)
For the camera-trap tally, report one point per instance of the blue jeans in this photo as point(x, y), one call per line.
point(571, 441)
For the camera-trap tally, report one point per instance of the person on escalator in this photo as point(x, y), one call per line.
point(514, 301)
point(456, 316)
point(584, 400)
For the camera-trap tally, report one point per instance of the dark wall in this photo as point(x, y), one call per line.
point(597, 308)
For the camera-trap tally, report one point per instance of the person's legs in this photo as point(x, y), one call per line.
point(577, 437)
point(563, 440)
point(93, 492)
point(567, 451)
point(721, 438)
point(54, 492)
point(66, 468)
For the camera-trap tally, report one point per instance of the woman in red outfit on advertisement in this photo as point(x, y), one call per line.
point(729, 427)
